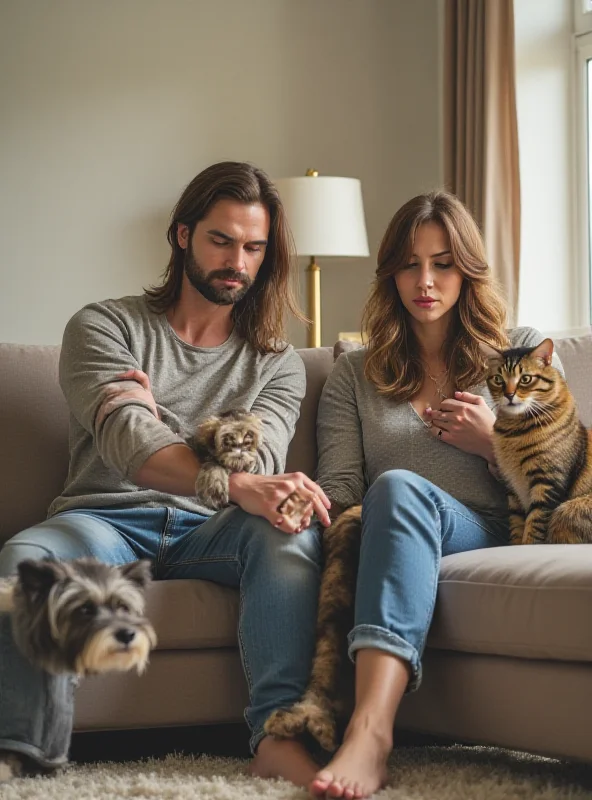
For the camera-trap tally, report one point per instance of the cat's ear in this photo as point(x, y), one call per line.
point(254, 421)
point(489, 353)
point(544, 351)
point(206, 432)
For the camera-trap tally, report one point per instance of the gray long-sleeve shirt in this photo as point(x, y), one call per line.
point(188, 383)
point(362, 434)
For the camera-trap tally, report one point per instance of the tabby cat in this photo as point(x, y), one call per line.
point(543, 451)
point(328, 700)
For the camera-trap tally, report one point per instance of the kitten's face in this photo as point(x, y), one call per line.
point(522, 381)
point(236, 438)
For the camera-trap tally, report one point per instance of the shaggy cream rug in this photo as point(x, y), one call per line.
point(417, 773)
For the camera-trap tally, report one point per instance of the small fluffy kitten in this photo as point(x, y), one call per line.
point(543, 451)
point(225, 443)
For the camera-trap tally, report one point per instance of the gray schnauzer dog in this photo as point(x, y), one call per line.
point(80, 616)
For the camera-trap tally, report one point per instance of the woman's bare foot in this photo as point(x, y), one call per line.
point(358, 769)
point(284, 758)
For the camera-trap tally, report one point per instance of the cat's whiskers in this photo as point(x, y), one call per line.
point(541, 412)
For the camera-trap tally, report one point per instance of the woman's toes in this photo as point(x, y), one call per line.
point(335, 789)
point(321, 782)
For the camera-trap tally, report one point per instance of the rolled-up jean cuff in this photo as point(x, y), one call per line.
point(254, 741)
point(363, 637)
point(34, 753)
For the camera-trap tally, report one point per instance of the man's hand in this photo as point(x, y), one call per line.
point(131, 385)
point(465, 422)
point(262, 494)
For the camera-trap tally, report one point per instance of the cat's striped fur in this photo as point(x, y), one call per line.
point(328, 699)
point(542, 450)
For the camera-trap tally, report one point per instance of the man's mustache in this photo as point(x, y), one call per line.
point(229, 275)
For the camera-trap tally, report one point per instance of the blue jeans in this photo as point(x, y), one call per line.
point(277, 575)
point(408, 524)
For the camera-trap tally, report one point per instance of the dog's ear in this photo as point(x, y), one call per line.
point(38, 576)
point(139, 572)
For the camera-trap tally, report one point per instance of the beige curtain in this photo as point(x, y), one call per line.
point(480, 128)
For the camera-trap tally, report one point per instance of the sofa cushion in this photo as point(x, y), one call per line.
point(575, 353)
point(33, 435)
point(189, 614)
point(532, 601)
point(529, 602)
point(302, 453)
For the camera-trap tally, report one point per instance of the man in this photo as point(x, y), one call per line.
point(138, 374)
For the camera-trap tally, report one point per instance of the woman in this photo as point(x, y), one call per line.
point(405, 426)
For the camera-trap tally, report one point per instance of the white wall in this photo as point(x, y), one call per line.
point(549, 282)
point(109, 107)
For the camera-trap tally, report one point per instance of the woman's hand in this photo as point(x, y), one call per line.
point(263, 494)
point(466, 422)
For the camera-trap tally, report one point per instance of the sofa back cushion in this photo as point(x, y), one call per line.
point(575, 353)
point(34, 430)
point(33, 435)
point(34, 422)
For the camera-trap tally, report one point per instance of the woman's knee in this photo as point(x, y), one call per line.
point(396, 485)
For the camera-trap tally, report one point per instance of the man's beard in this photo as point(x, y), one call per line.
point(203, 282)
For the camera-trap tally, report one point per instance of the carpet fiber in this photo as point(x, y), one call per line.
point(417, 773)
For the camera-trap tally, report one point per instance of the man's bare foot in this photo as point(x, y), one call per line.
point(283, 758)
point(358, 769)
point(11, 766)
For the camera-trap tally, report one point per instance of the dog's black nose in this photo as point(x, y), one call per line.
point(125, 635)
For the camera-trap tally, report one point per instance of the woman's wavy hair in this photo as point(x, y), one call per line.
point(393, 362)
point(259, 317)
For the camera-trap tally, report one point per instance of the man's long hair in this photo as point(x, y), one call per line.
point(259, 317)
point(393, 363)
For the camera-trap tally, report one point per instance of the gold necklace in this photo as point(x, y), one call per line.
point(439, 386)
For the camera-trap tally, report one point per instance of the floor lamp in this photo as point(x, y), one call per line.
point(326, 216)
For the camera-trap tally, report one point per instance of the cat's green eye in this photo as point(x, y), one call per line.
point(525, 380)
point(498, 380)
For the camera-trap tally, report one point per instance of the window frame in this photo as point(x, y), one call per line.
point(583, 158)
point(582, 15)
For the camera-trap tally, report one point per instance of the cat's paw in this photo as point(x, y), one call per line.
point(11, 766)
point(218, 493)
point(212, 486)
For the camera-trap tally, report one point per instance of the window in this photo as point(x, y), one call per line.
point(583, 127)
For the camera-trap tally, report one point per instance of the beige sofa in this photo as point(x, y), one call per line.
point(509, 655)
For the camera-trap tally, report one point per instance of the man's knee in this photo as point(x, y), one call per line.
point(275, 545)
point(18, 549)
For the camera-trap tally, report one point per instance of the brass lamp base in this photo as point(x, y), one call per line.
point(313, 282)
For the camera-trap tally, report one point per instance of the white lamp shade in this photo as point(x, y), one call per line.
point(325, 214)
